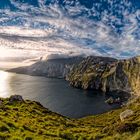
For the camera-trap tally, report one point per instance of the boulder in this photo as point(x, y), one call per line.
point(110, 100)
point(126, 114)
point(0, 102)
point(14, 98)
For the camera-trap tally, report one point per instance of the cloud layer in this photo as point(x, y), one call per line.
point(71, 27)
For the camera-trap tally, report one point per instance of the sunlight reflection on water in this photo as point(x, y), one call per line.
point(4, 84)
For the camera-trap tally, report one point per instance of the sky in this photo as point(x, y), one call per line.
point(69, 27)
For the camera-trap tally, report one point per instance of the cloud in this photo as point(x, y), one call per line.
point(72, 28)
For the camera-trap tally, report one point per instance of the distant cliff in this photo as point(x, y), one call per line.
point(53, 68)
point(107, 74)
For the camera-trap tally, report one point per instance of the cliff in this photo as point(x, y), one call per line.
point(53, 68)
point(28, 120)
point(107, 74)
point(98, 73)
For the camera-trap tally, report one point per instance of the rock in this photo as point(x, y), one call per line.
point(0, 102)
point(107, 74)
point(14, 98)
point(118, 100)
point(110, 100)
point(53, 68)
point(126, 114)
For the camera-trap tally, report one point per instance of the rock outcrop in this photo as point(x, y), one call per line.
point(126, 114)
point(107, 74)
point(16, 98)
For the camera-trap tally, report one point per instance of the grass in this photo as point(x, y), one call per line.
point(29, 120)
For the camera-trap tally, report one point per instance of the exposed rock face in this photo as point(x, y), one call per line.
point(111, 100)
point(56, 68)
point(126, 114)
point(14, 98)
point(0, 102)
point(107, 74)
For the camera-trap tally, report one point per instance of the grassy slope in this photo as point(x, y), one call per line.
point(29, 120)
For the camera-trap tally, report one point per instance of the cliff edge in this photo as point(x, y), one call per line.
point(107, 74)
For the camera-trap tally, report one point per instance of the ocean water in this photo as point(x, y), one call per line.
point(54, 94)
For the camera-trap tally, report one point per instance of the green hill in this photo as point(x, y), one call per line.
point(29, 120)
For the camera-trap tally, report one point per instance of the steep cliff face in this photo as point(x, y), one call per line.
point(107, 74)
point(131, 68)
point(56, 68)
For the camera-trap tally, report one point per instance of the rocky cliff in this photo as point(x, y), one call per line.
point(54, 68)
point(98, 73)
point(107, 74)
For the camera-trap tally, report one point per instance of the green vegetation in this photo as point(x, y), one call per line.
point(28, 120)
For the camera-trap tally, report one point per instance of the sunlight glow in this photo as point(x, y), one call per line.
point(12, 53)
point(4, 78)
point(5, 53)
